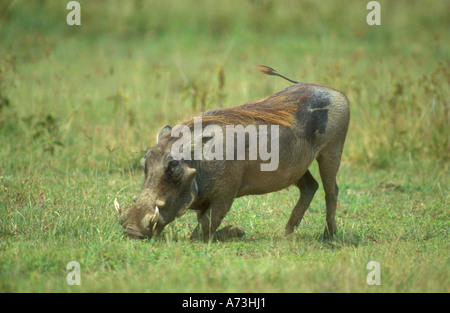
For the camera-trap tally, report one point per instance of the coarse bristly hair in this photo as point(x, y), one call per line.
point(278, 109)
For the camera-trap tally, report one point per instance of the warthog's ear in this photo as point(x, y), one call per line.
point(163, 130)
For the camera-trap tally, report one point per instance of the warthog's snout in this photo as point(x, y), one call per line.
point(138, 226)
point(133, 232)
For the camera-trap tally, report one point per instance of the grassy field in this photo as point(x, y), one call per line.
point(79, 104)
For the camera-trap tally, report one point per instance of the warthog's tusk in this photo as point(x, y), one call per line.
point(117, 205)
point(183, 212)
point(155, 218)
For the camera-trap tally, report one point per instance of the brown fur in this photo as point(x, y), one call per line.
point(251, 113)
point(278, 109)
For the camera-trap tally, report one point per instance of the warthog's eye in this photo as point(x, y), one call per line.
point(174, 170)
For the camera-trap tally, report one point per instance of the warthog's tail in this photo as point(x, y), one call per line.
point(270, 71)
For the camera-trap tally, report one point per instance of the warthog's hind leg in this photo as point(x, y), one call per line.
point(308, 187)
point(328, 166)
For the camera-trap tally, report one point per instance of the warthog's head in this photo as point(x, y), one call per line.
point(168, 191)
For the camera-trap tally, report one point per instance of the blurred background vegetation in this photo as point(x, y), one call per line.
point(133, 66)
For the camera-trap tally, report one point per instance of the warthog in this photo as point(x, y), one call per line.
point(312, 122)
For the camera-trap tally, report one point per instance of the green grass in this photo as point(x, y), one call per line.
point(78, 105)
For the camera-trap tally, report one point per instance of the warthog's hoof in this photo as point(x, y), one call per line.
point(288, 230)
point(228, 232)
point(328, 235)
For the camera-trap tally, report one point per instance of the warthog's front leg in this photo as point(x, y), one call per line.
point(210, 220)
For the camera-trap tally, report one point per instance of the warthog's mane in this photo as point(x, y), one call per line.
point(278, 109)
